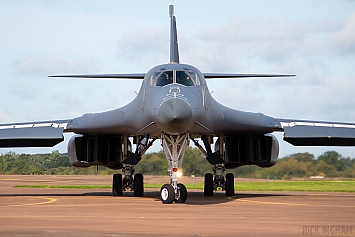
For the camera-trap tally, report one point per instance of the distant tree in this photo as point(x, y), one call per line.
point(195, 163)
point(247, 171)
point(328, 170)
point(302, 157)
point(153, 163)
point(334, 159)
point(330, 164)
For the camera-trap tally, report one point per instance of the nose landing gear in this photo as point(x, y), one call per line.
point(174, 148)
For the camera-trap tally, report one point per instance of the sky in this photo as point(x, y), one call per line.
point(313, 39)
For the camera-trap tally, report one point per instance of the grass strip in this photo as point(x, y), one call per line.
point(306, 186)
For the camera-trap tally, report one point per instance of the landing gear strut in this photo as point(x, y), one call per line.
point(174, 148)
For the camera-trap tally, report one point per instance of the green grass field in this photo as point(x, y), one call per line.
point(306, 186)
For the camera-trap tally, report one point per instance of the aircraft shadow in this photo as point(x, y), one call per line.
point(195, 197)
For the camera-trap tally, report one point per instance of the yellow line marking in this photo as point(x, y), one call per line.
point(292, 204)
point(36, 180)
point(49, 200)
point(11, 179)
point(29, 180)
point(273, 203)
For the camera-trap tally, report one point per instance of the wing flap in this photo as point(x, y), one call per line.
point(31, 137)
point(302, 135)
point(32, 134)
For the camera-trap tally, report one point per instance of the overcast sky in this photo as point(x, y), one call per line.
point(313, 39)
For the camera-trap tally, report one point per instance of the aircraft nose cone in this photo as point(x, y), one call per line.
point(175, 116)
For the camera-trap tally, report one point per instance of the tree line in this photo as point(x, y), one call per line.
point(298, 165)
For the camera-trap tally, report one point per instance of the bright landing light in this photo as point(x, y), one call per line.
point(179, 173)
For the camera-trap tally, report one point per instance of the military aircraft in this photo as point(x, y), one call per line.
point(175, 106)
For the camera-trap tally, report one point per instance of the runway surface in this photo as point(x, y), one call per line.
point(78, 212)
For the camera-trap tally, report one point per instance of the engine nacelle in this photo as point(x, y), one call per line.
point(86, 151)
point(262, 150)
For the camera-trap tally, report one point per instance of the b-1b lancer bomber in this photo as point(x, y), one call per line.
point(175, 106)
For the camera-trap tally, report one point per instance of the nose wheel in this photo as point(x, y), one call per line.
point(169, 195)
point(182, 191)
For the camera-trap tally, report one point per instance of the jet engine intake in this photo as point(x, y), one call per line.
point(86, 151)
point(262, 150)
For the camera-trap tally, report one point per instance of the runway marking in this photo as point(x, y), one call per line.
point(273, 203)
point(290, 204)
point(38, 180)
point(49, 200)
point(27, 180)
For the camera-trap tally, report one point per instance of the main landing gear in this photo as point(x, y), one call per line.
point(217, 181)
point(129, 182)
point(174, 147)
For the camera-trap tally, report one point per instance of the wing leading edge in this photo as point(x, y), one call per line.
point(233, 75)
point(317, 133)
point(142, 75)
point(116, 76)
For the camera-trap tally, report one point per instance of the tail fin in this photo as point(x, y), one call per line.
point(174, 48)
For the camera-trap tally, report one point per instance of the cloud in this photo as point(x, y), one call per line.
point(344, 39)
point(270, 39)
point(5, 117)
point(144, 47)
point(25, 92)
point(43, 66)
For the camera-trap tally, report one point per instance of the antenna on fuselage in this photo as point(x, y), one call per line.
point(174, 48)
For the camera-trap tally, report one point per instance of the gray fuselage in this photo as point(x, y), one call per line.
point(173, 99)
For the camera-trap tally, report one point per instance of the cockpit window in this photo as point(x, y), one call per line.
point(164, 78)
point(184, 77)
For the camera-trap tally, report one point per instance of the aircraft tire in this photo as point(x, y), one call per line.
point(183, 193)
point(208, 187)
point(117, 185)
point(229, 185)
point(167, 194)
point(138, 185)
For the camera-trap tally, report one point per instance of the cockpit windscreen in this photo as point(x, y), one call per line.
point(186, 78)
point(164, 78)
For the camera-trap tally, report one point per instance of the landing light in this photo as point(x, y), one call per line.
point(179, 174)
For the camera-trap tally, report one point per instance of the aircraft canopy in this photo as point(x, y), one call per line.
point(183, 77)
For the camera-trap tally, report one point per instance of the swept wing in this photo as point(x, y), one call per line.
point(317, 133)
point(231, 75)
point(32, 134)
point(122, 76)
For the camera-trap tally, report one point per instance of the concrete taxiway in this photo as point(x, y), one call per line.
point(78, 212)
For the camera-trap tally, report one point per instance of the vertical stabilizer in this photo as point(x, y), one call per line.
point(174, 48)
